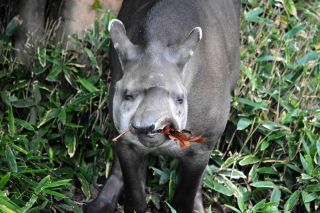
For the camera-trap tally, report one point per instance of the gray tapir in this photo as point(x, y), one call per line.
point(173, 62)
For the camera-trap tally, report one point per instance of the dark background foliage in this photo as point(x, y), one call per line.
point(55, 149)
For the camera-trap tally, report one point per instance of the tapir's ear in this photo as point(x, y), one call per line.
point(182, 52)
point(126, 50)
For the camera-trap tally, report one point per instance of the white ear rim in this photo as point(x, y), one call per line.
point(199, 31)
point(112, 22)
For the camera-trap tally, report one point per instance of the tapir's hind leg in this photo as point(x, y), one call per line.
point(107, 199)
point(198, 204)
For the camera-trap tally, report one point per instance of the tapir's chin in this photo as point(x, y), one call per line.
point(152, 140)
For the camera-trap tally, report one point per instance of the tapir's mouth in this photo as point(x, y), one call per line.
point(152, 139)
point(153, 136)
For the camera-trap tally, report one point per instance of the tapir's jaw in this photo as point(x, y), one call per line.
point(152, 140)
point(155, 138)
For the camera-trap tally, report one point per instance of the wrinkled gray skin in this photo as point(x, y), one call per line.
point(173, 62)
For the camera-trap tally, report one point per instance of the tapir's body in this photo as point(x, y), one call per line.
point(173, 62)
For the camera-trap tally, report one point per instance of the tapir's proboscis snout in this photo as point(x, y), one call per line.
point(173, 63)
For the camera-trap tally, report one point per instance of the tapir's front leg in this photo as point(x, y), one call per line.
point(106, 201)
point(188, 196)
point(134, 165)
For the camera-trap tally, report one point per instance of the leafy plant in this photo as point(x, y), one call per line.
point(54, 146)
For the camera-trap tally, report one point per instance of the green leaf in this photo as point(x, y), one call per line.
point(11, 159)
point(54, 193)
point(262, 105)
point(91, 56)
point(155, 199)
point(172, 210)
point(30, 203)
point(309, 197)
point(307, 163)
point(267, 170)
point(249, 159)
point(294, 31)
point(306, 58)
point(276, 196)
point(241, 204)
point(7, 204)
point(36, 94)
point(6, 209)
point(270, 125)
point(253, 15)
point(12, 127)
point(5, 96)
point(24, 124)
point(243, 123)
point(230, 161)
point(172, 184)
point(4, 180)
point(42, 56)
point(62, 116)
point(263, 184)
point(70, 141)
point(312, 188)
point(24, 103)
point(214, 185)
point(311, 136)
point(65, 182)
point(19, 148)
point(290, 7)
point(209, 209)
point(292, 201)
point(41, 185)
point(318, 147)
point(96, 5)
point(232, 208)
point(267, 58)
point(259, 206)
point(252, 77)
point(164, 175)
point(87, 85)
point(56, 70)
point(12, 26)
point(84, 185)
point(50, 114)
point(264, 145)
point(232, 173)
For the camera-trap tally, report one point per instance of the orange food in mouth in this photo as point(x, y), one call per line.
point(184, 137)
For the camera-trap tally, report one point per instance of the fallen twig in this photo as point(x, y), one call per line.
point(115, 139)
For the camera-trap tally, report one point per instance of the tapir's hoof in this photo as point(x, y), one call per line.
point(93, 207)
point(218, 208)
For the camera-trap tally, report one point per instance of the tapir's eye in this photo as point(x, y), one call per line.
point(127, 96)
point(179, 100)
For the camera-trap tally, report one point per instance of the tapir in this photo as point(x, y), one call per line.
point(173, 62)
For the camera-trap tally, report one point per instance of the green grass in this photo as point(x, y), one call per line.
point(54, 120)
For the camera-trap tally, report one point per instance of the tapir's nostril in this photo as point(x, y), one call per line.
point(143, 129)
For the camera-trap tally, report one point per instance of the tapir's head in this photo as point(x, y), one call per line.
point(151, 93)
